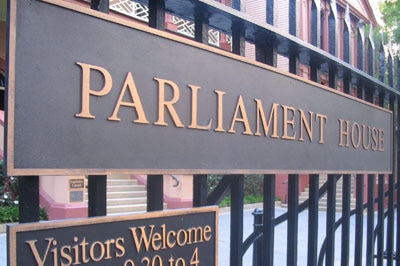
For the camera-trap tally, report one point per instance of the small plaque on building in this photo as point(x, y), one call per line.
point(76, 183)
point(177, 238)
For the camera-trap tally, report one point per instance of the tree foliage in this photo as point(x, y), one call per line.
point(390, 10)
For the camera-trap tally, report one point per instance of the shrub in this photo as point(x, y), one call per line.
point(253, 188)
point(9, 196)
point(8, 189)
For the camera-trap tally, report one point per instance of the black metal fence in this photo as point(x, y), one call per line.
point(382, 240)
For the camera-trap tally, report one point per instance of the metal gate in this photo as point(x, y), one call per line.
point(382, 240)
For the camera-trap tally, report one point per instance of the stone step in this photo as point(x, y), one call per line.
point(121, 182)
point(339, 193)
point(126, 208)
point(125, 188)
point(127, 194)
point(124, 195)
point(126, 201)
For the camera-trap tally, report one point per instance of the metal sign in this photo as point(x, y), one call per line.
point(176, 238)
point(106, 95)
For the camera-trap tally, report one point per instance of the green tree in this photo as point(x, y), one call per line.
point(390, 10)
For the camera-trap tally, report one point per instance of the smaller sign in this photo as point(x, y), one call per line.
point(173, 238)
point(76, 196)
point(76, 183)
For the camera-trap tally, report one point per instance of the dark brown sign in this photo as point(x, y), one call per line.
point(76, 183)
point(105, 95)
point(173, 238)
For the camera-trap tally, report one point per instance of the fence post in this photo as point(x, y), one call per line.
point(312, 252)
point(237, 195)
point(157, 14)
point(330, 220)
point(358, 245)
point(199, 190)
point(370, 221)
point(28, 199)
point(346, 185)
point(155, 193)
point(268, 221)
point(97, 193)
point(258, 248)
point(293, 219)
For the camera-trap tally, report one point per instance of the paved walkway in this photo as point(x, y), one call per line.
point(280, 239)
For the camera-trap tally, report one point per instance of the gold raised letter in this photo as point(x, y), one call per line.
point(354, 142)
point(380, 140)
point(307, 125)
point(32, 244)
point(344, 132)
point(136, 103)
point(87, 91)
point(243, 118)
point(169, 105)
point(194, 123)
point(220, 111)
point(288, 121)
point(273, 119)
point(322, 122)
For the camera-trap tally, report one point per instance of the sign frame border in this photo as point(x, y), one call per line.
point(10, 101)
point(12, 230)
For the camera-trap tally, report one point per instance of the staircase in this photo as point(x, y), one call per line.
point(125, 195)
point(339, 195)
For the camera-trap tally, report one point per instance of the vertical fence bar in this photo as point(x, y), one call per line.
point(266, 51)
point(360, 45)
point(258, 245)
point(370, 52)
point(100, 5)
point(391, 189)
point(332, 23)
point(157, 14)
point(347, 35)
point(358, 245)
point(293, 30)
point(382, 61)
point(345, 248)
point(199, 190)
point(155, 193)
point(347, 84)
point(370, 221)
point(330, 221)
point(390, 67)
point(293, 219)
point(268, 220)
point(237, 196)
point(312, 251)
point(201, 27)
point(381, 217)
point(97, 194)
point(390, 221)
point(238, 43)
point(397, 164)
point(315, 30)
point(28, 199)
